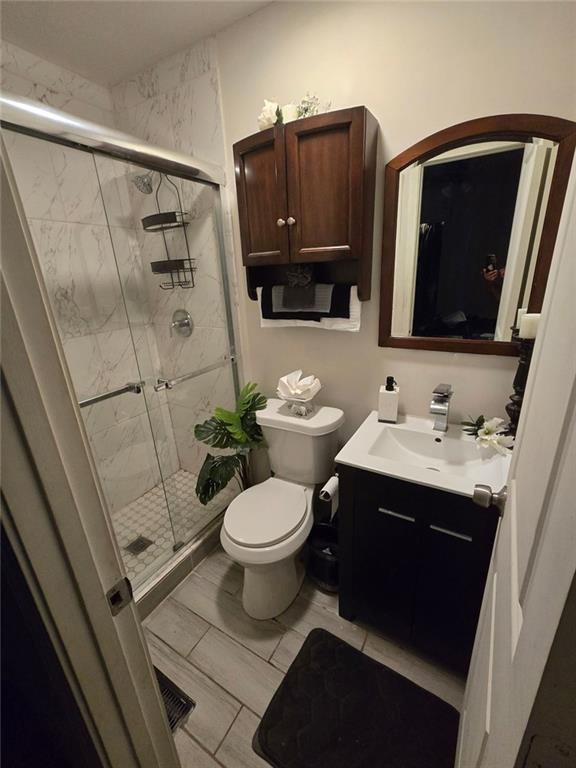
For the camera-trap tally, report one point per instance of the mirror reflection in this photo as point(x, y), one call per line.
point(468, 231)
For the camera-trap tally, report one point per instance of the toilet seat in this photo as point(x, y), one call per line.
point(266, 514)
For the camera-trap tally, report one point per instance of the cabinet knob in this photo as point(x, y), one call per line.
point(291, 221)
point(484, 497)
point(280, 223)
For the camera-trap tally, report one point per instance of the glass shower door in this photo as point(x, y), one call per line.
point(183, 317)
point(143, 377)
point(108, 357)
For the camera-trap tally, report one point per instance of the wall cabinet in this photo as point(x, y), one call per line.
point(306, 196)
point(414, 562)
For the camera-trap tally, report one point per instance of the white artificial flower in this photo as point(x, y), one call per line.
point(289, 112)
point(491, 427)
point(492, 436)
point(505, 441)
point(267, 118)
point(499, 443)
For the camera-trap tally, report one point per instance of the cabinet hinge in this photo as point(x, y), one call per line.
point(119, 596)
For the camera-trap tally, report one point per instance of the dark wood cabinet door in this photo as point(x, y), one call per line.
point(387, 554)
point(457, 545)
point(260, 168)
point(325, 170)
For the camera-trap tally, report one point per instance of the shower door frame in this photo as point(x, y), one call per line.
point(57, 524)
point(38, 120)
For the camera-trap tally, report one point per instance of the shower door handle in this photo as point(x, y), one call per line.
point(133, 386)
point(171, 383)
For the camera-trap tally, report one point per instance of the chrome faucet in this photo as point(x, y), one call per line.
point(440, 405)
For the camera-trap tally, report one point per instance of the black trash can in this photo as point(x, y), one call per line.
point(323, 556)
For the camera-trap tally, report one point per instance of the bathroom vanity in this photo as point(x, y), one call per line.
point(414, 547)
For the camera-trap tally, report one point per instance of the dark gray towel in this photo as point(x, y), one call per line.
point(299, 296)
point(339, 307)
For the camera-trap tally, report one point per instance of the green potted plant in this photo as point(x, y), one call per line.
point(235, 430)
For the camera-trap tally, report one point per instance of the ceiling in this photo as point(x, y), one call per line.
point(109, 40)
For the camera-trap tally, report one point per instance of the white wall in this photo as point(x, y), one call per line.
point(25, 74)
point(418, 68)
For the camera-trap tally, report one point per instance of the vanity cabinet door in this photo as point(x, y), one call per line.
point(457, 545)
point(325, 157)
point(260, 168)
point(387, 554)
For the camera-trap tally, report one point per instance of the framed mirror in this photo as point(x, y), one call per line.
point(470, 221)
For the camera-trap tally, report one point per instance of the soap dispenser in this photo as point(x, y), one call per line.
point(388, 401)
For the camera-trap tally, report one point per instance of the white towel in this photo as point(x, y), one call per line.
point(351, 323)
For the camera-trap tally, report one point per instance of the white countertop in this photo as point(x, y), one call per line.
point(414, 452)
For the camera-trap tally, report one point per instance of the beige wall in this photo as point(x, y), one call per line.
point(418, 68)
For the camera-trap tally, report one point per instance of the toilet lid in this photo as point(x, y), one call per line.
point(266, 513)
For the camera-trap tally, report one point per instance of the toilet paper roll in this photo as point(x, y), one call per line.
point(329, 493)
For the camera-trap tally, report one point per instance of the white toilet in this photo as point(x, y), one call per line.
point(266, 526)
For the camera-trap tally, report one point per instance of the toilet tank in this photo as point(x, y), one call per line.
point(301, 448)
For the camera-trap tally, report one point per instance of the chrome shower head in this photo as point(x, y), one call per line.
point(143, 182)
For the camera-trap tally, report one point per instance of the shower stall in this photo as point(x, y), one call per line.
point(128, 239)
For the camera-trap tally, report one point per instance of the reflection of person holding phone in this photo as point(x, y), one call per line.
point(493, 275)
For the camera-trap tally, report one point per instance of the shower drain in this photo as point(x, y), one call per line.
point(139, 545)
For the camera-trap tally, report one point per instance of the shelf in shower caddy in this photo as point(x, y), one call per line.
point(166, 220)
point(182, 269)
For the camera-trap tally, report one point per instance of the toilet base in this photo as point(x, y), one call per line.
point(270, 589)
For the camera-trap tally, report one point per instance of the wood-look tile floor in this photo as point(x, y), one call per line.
point(231, 665)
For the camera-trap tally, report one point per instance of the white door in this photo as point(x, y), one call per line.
point(534, 559)
point(55, 519)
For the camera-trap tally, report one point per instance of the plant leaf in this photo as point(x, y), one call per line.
point(472, 427)
point(252, 428)
point(250, 400)
point(215, 433)
point(233, 422)
point(215, 474)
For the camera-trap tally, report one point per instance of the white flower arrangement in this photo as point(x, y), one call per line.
point(272, 113)
point(490, 433)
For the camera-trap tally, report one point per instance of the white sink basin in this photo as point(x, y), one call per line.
point(411, 450)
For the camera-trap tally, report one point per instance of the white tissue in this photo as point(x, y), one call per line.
point(295, 387)
point(330, 492)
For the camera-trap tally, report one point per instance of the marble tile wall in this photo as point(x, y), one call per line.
point(24, 74)
point(176, 104)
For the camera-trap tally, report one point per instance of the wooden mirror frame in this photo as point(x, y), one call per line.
point(496, 128)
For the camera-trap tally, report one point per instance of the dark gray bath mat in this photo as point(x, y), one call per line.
point(337, 708)
point(178, 705)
